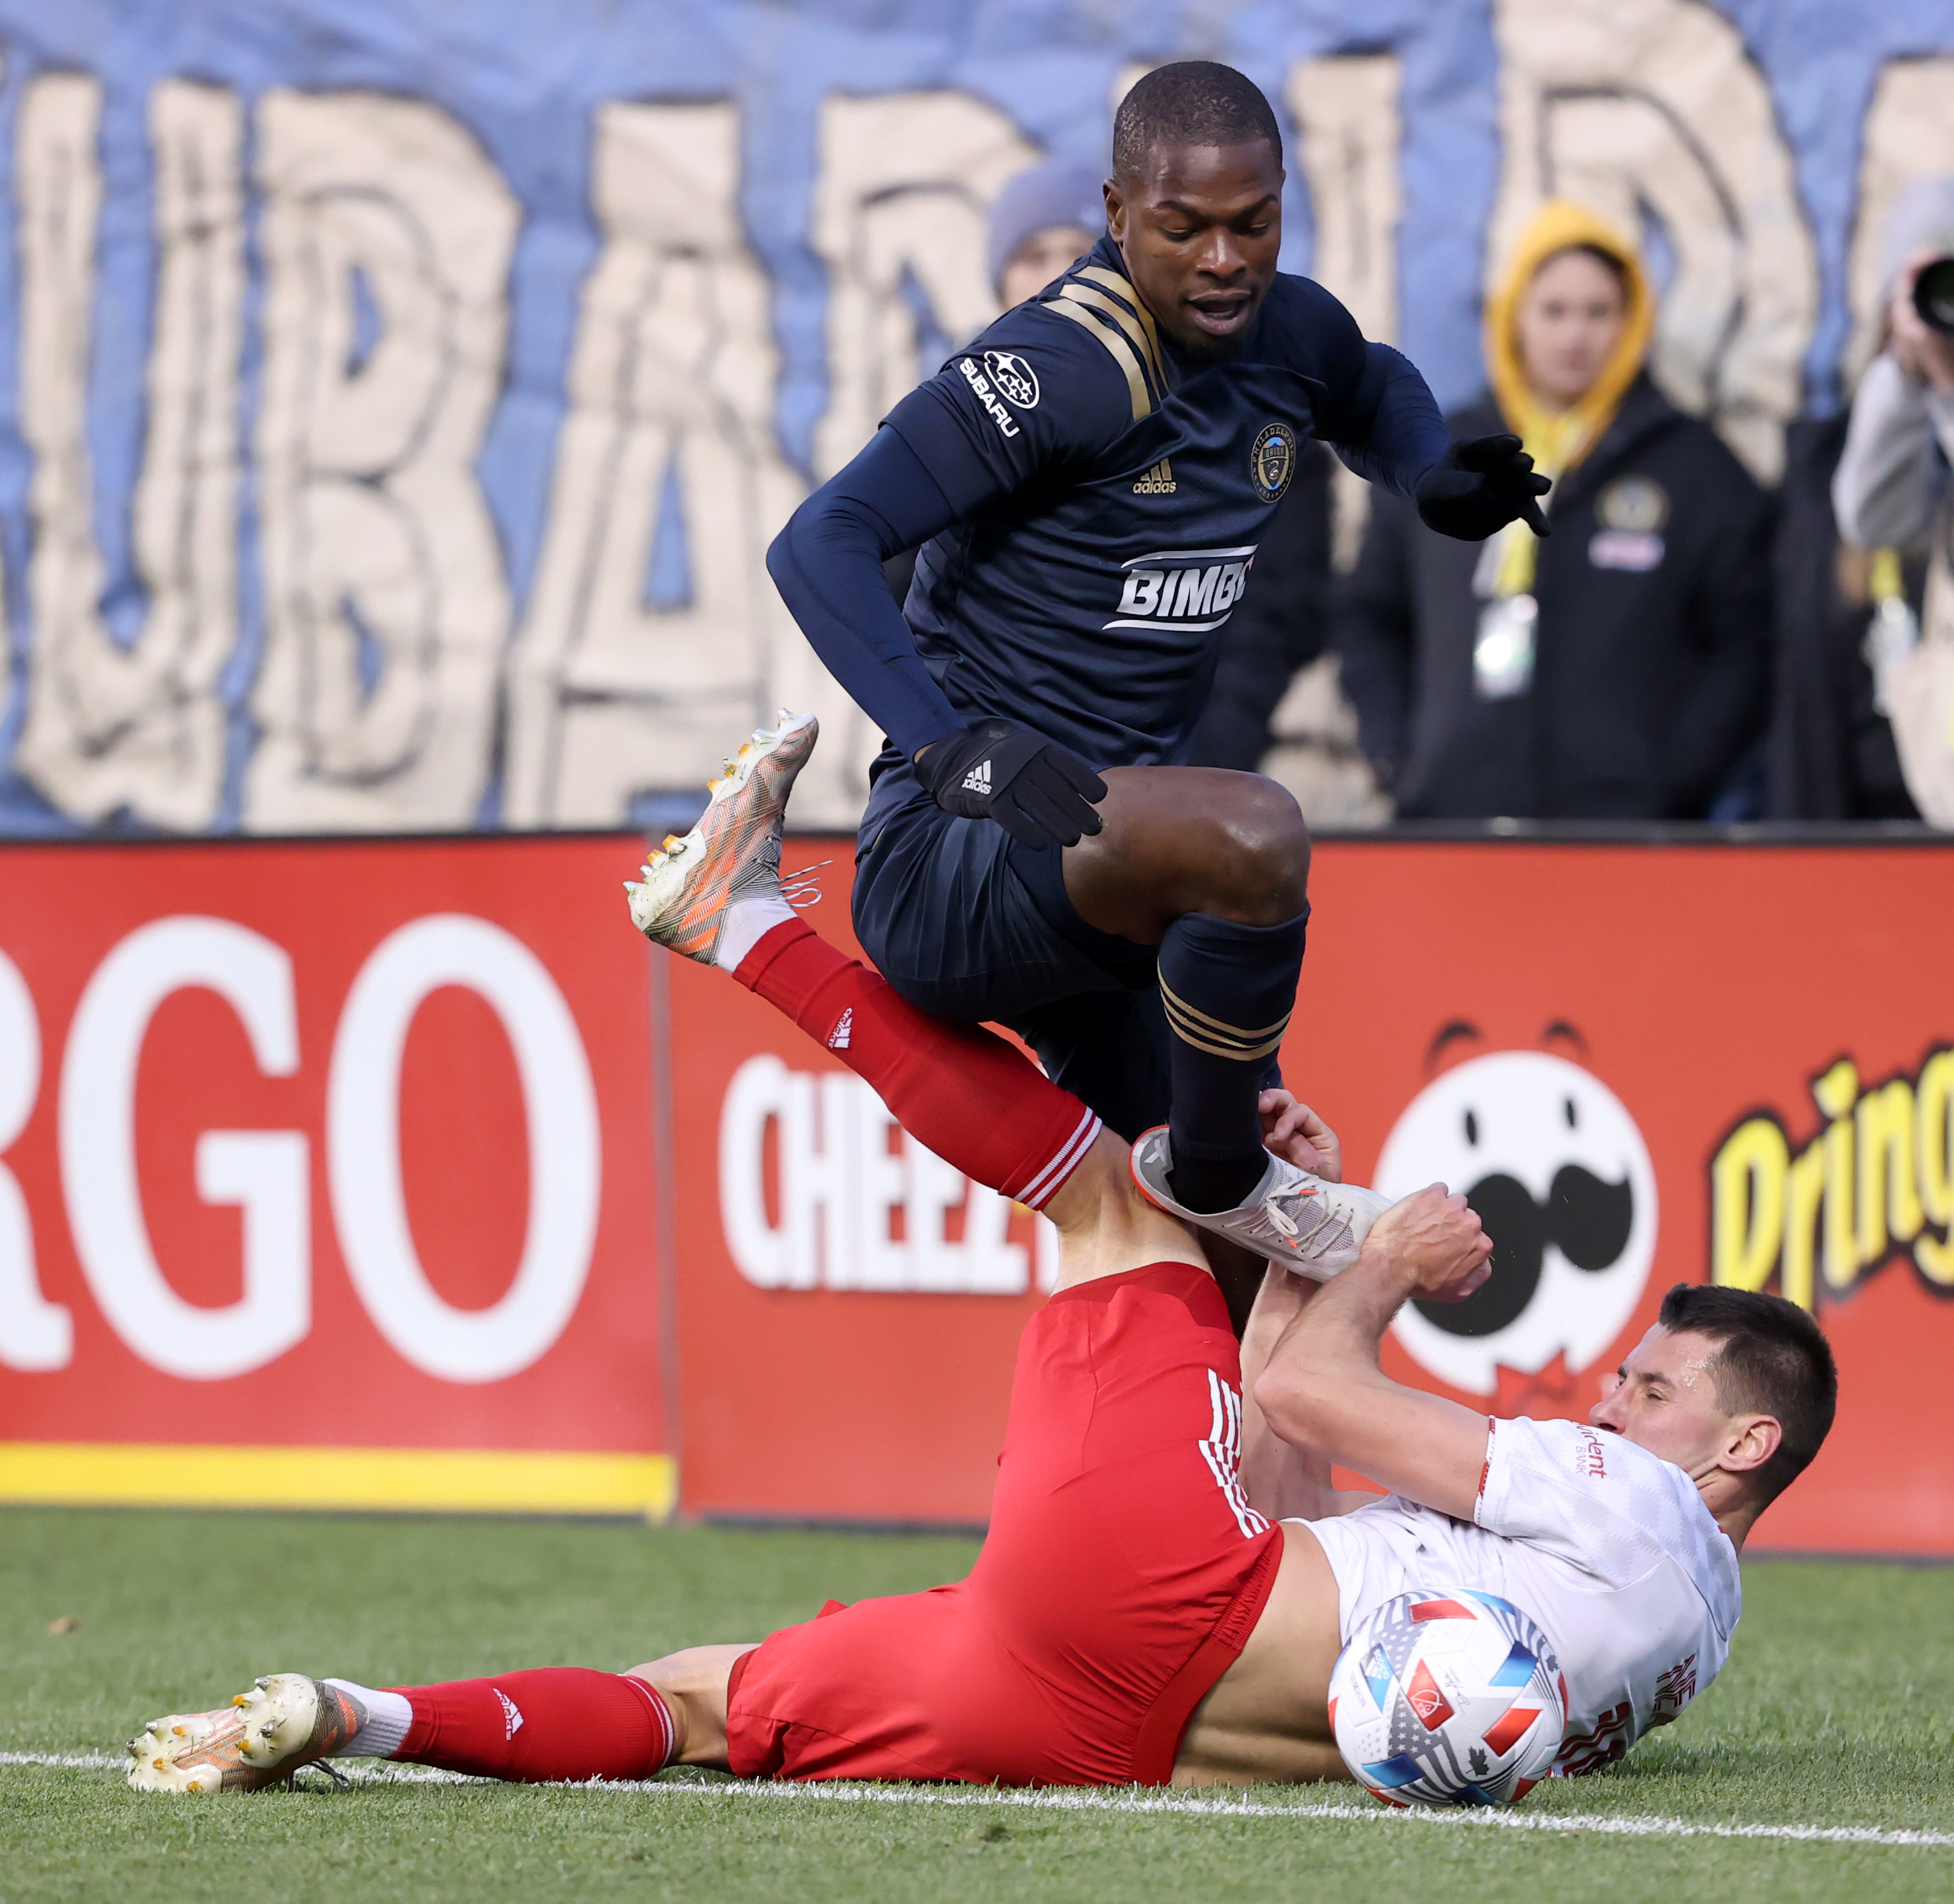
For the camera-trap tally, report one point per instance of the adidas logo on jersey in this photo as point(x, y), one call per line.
point(839, 1039)
point(512, 1717)
point(978, 780)
point(1157, 481)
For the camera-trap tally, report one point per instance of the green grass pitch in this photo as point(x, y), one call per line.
point(1837, 1713)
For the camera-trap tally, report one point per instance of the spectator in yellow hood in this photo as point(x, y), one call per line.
point(1616, 671)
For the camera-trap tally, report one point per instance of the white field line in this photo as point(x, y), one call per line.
point(1128, 1800)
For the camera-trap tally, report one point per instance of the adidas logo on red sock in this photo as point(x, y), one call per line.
point(512, 1718)
point(844, 1027)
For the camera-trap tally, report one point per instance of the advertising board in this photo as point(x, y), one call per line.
point(326, 1177)
point(396, 1174)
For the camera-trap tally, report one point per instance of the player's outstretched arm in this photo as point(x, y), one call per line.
point(1285, 1480)
point(1321, 1386)
point(1385, 424)
point(827, 563)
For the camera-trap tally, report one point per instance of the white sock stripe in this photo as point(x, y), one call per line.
point(665, 1723)
point(1050, 1180)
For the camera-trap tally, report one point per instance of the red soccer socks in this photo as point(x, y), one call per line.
point(960, 1091)
point(548, 1724)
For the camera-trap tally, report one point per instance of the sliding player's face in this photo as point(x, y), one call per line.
point(1664, 1399)
point(1199, 228)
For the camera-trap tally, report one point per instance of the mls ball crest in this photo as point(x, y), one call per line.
point(1550, 1158)
point(1272, 462)
point(1448, 1697)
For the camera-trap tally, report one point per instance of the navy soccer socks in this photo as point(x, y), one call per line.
point(1228, 990)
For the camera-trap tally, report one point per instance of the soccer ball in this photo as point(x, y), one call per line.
point(1446, 1697)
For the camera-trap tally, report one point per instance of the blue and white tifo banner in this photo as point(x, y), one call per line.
point(397, 397)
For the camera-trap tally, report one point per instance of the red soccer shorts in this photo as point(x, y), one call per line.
point(1123, 1572)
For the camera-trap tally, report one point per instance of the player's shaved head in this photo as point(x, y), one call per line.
point(1192, 102)
point(1195, 203)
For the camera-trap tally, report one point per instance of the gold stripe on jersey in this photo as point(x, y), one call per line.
point(1130, 327)
point(1111, 281)
point(1117, 348)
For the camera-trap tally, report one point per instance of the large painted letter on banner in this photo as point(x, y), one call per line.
point(387, 236)
point(906, 181)
point(140, 726)
point(1652, 108)
point(654, 635)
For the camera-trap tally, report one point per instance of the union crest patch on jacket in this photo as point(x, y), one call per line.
point(1272, 461)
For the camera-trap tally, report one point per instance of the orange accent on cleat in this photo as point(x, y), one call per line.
point(691, 884)
point(286, 1722)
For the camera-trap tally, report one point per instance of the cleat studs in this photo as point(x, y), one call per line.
point(237, 1698)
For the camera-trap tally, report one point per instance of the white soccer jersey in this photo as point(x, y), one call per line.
point(1608, 1547)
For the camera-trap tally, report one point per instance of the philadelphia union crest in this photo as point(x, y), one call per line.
point(1272, 462)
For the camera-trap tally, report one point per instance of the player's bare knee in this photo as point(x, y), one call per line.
point(1260, 871)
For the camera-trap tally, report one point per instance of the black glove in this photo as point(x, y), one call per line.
point(1035, 790)
point(1480, 487)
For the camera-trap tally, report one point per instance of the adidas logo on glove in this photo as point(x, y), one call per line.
point(1039, 791)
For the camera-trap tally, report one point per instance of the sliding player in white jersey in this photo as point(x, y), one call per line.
point(1169, 1577)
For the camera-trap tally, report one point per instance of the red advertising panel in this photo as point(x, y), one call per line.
point(1648, 1064)
point(325, 1176)
point(362, 1173)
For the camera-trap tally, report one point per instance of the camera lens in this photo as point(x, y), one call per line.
point(1933, 294)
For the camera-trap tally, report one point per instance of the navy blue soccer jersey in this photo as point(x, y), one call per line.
point(1111, 492)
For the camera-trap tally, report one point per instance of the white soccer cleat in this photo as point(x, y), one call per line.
point(284, 1723)
point(703, 894)
point(1302, 1222)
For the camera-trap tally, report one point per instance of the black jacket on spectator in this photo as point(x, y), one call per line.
point(1283, 624)
point(1649, 683)
point(1831, 754)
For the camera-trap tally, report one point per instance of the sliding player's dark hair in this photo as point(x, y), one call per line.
point(1771, 1359)
point(1192, 102)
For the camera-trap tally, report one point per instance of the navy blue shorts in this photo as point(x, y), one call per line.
point(966, 924)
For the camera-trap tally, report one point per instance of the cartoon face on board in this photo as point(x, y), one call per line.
point(1552, 1161)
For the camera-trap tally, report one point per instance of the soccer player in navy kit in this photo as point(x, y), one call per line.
point(1090, 480)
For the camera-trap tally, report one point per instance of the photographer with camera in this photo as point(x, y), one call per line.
point(1890, 495)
